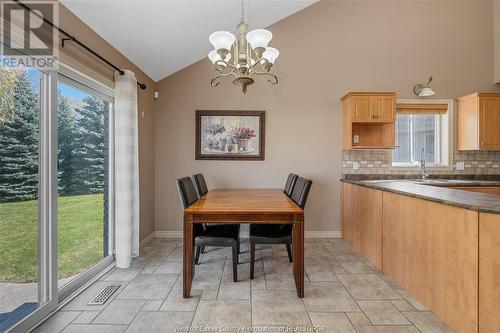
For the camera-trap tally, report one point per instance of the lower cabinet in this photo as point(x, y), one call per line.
point(431, 250)
point(489, 272)
point(362, 216)
point(445, 256)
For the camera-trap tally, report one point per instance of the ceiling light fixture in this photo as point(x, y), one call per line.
point(424, 90)
point(251, 55)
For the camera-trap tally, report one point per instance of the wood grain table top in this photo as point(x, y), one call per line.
point(244, 201)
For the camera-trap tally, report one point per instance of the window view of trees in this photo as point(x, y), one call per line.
point(81, 146)
point(81, 141)
point(19, 137)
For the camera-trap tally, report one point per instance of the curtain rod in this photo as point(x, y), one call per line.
point(73, 39)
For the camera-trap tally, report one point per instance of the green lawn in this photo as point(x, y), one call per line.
point(80, 243)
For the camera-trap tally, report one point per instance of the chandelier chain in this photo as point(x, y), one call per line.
point(242, 10)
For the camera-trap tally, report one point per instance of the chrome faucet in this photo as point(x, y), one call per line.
point(425, 175)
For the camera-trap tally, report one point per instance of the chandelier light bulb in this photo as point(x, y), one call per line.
point(259, 38)
point(222, 40)
point(271, 54)
point(214, 56)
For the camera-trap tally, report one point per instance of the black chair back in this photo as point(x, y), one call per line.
point(301, 191)
point(186, 190)
point(201, 186)
point(290, 183)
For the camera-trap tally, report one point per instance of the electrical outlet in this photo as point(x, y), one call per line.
point(460, 166)
point(355, 165)
point(356, 138)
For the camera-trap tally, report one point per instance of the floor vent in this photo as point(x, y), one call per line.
point(104, 295)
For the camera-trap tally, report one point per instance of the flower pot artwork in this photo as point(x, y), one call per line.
point(222, 144)
point(229, 135)
point(243, 144)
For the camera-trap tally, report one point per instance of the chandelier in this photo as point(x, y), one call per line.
point(244, 57)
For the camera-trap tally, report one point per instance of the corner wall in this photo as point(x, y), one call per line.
point(327, 49)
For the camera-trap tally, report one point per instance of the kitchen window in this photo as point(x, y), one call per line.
point(421, 131)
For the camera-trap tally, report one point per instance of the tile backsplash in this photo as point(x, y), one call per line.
point(376, 161)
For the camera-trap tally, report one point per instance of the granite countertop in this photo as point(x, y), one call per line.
point(435, 190)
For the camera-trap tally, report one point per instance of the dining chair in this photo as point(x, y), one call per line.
point(202, 189)
point(223, 235)
point(279, 233)
point(200, 184)
point(290, 182)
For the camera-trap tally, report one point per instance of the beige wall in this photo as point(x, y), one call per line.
point(496, 14)
point(326, 50)
point(75, 26)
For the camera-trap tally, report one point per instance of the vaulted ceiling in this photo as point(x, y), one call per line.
point(164, 36)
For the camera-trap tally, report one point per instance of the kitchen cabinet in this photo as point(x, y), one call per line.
point(362, 221)
point(478, 121)
point(489, 273)
point(369, 120)
point(431, 250)
point(445, 256)
point(368, 107)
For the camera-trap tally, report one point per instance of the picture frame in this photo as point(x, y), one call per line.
point(230, 135)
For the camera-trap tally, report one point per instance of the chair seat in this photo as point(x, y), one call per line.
point(217, 235)
point(271, 233)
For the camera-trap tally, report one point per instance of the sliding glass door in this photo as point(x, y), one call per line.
point(56, 207)
point(27, 242)
point(83, 182)
point(19, 191)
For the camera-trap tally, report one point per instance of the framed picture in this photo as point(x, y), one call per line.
point(230, 135)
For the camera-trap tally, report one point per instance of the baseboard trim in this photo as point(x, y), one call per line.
point(323, 234)
point(309, 234)
point(168, 234)
point(148, 238)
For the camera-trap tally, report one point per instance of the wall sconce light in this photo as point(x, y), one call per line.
point(422, 90)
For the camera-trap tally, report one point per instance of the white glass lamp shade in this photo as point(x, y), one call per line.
point(214, 56)
point(271, 54)
point(259, 38)
point(222, 40)
point(427, 91)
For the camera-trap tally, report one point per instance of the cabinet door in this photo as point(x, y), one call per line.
point(370, 224)
point(350, 214)
point(362, 109)
point(384, 108)
point(489, 119)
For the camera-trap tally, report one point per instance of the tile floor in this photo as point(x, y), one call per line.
point(344, 293)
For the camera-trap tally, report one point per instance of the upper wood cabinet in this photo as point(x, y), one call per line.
point(368, 120)
point(478, 122)
point(371, 107)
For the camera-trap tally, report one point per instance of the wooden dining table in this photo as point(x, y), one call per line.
point(256, 206)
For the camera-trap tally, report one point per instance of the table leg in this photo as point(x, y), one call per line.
point(298, 253)
point(188, 270)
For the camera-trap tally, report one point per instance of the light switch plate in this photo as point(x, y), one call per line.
point(355, 165)
point(356, 138)
point(460, 166)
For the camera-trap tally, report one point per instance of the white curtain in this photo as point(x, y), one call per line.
point(126, 169)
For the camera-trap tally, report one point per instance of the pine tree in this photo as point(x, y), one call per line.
point(89, 148)
point(66, 145)
point(19, 145)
